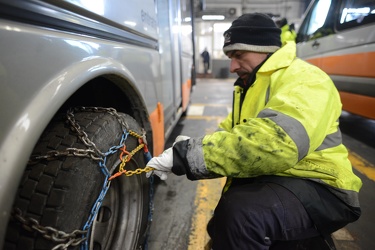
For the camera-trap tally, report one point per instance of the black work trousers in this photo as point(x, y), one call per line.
point(253, 216)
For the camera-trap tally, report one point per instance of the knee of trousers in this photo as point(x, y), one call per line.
point(233, 211)
point(254, 207)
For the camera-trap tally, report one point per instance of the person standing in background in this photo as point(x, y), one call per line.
point(287, 33)
point(206, 60)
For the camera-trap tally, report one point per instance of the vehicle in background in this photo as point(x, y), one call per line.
point(85, 88)
point(339, 37)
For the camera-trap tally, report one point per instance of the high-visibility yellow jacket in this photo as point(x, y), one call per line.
point(286, 125)
point(287, 35)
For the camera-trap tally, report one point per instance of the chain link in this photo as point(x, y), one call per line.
point(78, 237)
point(138, 171)
point(82, 135)
point(128, 156)
point(111, 111)
point(54, 155)
point(66, 239)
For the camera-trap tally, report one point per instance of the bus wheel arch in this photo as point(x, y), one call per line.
point(116, 92)
point(97, 93)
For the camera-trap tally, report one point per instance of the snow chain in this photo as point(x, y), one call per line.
point(79, 237)
point(68, 239)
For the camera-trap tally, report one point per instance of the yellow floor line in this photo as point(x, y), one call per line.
point(362, 165)
point(206, 199)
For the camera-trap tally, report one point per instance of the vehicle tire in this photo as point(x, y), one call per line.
point(60, 193)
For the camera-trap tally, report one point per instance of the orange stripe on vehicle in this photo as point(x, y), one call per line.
point(358, 104)
point(360, 64)
point(186, 90)
point(157, 125)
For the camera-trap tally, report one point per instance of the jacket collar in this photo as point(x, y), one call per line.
point(282, 58)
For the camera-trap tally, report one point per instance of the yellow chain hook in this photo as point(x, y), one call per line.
point(127, 158)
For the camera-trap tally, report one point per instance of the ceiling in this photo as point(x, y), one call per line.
point(231, 9)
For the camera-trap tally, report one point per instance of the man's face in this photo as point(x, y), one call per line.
point(244, 62)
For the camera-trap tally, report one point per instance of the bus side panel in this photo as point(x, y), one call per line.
point(186, 60)
point(175, 19)
point(136, 15)
point(176, 51)
point(167, 64)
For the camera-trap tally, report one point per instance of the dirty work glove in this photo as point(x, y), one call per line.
point(163, 163)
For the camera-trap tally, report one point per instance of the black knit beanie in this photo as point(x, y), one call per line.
point(255, 32)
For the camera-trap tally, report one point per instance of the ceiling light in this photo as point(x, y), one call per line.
point(213, 17)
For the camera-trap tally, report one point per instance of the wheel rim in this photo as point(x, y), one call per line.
point(118, 219)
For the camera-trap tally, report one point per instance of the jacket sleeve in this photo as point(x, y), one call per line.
point(180, 164)
point(234, 153)
point(188, 160)
point(259, 147)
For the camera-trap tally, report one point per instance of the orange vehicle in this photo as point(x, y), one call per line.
point(338, 37)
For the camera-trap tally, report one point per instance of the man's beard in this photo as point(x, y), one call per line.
point(244, 75)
